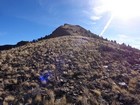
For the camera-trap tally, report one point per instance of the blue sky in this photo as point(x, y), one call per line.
point(32, 19)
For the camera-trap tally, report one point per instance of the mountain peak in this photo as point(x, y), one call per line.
point(70, 71)
point(68, 29)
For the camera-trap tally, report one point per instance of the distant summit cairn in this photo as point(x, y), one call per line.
point(73, 30)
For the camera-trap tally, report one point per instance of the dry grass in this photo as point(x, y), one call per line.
point(75, 64)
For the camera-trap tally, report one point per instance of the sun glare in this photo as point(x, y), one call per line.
point(120, 9)
point(123, 9)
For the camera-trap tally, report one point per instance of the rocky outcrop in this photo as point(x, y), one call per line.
point(71, 30)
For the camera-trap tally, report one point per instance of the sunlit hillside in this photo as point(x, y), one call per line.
point(72, 66)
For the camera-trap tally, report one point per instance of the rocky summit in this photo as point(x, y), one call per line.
point(72, 66)
point(67, 29)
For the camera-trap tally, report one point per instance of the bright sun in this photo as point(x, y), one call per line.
point(123, 9)
point(120, 9)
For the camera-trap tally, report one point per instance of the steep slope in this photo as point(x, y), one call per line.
point(70, 70)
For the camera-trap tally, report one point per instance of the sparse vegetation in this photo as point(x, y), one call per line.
point(70, 70)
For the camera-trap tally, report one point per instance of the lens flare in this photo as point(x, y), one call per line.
point(44, 78)
point(124, 10)
point(106, 26)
